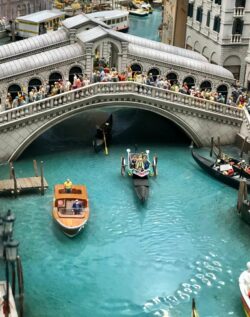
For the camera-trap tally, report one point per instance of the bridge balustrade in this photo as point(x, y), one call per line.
point(119, 89)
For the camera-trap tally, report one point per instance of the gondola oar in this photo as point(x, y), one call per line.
point(194, 310)
point(242, 147)
point(212, 146)
point(105, 143)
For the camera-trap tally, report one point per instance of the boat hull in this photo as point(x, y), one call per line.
point(141, 186)
point(207, 165)
point(244, 296)
point(69, 231)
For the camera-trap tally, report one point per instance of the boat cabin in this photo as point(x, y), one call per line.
point(71, 204)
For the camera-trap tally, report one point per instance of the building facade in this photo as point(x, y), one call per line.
point(220, 31)
point(14, 8)
point(174, 22)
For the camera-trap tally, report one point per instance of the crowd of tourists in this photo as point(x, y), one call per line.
point(238, 98)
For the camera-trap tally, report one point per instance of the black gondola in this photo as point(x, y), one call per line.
point(103, 135)
point(243, 204)
point(140, 168)
point(210, 167)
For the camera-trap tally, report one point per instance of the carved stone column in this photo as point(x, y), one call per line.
point(89, 58)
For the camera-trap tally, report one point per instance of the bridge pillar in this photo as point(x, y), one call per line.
point(89, 59)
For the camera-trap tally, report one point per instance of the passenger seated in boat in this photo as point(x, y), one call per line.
point(246, 279)
point(77, 207)
point(139, 164)
point(133, 161)
point(68, 186)
point(146, 162)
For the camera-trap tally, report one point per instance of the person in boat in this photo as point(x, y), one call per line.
point(246, 279)
point(133, 161)
point(77, 207)
point(139, 163)
point(146, 162)
point(68, 186)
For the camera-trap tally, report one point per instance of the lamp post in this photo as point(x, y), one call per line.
point(8, 252)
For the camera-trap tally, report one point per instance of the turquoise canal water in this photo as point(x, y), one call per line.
point(131, 259)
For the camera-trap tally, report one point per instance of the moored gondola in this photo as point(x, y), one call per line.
point(140, 168)
point(103, 136)
point(223, 172)
point(243, 204)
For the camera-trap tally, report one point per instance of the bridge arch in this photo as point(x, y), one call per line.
point(223, 89)
point(34, 82)
point(55, 76)
point(189, 80)
point(136, 67)
point(75, 70)
point(14, 89)
point(172, 77)
point(154, 71)
point(188, 129)
point(108, 49)
point(206, 84)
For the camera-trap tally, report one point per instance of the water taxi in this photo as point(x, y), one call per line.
point(139, 12)
point(140, 168)
point(244, 280)
point(117, 19)
point(38, 23)
point(70, 217)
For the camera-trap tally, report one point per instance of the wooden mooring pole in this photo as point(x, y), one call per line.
point(242, 147)
point(219, 146)
point(13, 175)
point(212, 146)
point(42, 179)
point(35, 168)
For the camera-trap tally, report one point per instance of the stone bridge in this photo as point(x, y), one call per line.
point(199, 118)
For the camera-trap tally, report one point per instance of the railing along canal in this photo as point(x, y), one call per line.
point(118, 89)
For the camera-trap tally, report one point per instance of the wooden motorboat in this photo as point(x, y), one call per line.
point(220, 171)
point(244, 290)
point(140, 168)
point(139, 12)
point(243, 204)
point(63, 212)
point(103, 135)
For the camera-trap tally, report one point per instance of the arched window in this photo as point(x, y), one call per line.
point(14, 90)
point(189, 81)
point(240, 3)
point(190, 10)
point(54, 77)
point(208, 18)
point(216, 27)
point(237, 26)
point(74, 70)
point(172, 77)
point(136, 68)
point(34, 83)
point(199, 14)
point(205, 85)
point(223, 90)
point(155, 72)
point(217, 2)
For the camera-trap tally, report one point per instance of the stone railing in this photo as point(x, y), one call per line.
point(239, 11)
point(236, 38)
point(116, 91)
